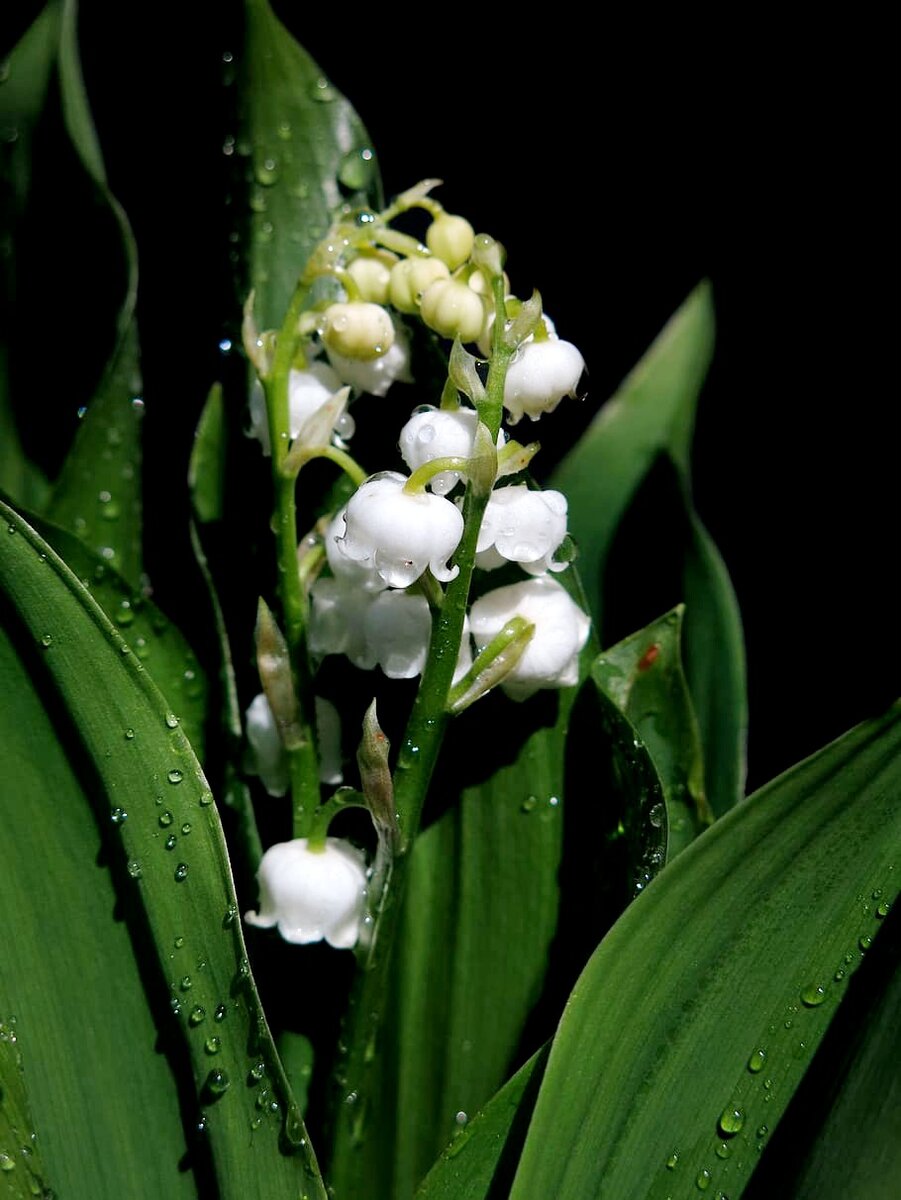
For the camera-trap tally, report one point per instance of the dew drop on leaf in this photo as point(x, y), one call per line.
point(181, 872)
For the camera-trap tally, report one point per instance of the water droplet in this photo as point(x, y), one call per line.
point(357, 169)
point(655, 816)
point(756, 1061)
point(865, 942)
point(731, 1121)
point(124, 614)
point(175, 776)
point(266, 172)
point(723, 1150)
point(882, 910)
point(196, 1015)
point(118, 816)
point(221, 1013)
point(171, 841)
point(702, 1183)
point(181, 872)
point(529, 804)
point(461, 1118)
point(7, 1163)
point(186, 828)
point(175, 1005)
point(212, 1045)
point(257, 1071)
point(813, 995)
point(206, 798)
point(165, 819)
point(171, 720)
point(217, 1083)
point(47, 640)
point(767, 1083)
point(134, 868)
point(129, 734)
point(231, 915)
point(322, 91)
point(839, 975)
point(179, 942)
point(763, 1130)
point(185, 983)
point(673, 1161)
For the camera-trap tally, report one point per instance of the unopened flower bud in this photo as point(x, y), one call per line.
point(358, 329)
point(371, 275)
point(451, 238)
point(410, 278)
point(453, 309)
point(375, 774)
point(312, 892)
point(376, 375)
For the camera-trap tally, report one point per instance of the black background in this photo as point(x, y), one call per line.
point(619, 163)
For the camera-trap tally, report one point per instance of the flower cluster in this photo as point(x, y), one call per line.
point(382, 566)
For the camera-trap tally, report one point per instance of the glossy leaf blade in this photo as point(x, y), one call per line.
point(745, 943)
point(171, 844)
point(71, 976)
point(474, 1165)
point(479, 919)
point(303, 136)
point(651, 418)
point(643, 676)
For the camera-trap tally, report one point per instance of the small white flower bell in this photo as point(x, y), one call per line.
point(376, 375)
point(311, 893)
point(267, 752)
point(540, 374)
point(523, 526)
point(308, 391)
point(432, 433)
point(551, 659)
point(401, 533)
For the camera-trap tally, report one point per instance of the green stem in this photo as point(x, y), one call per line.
point(418, 755)
point(302, 760)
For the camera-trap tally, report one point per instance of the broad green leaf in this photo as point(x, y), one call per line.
point(22, 96)
point(20, 1158)
point(479, 918)
point(158, 644)
point(841, 1135)
point(168, 843)
point(304, 139)
point(696, 1018)
point(70, 973)
point(650, 419)
point(643, 677)
point(479, 1162)
point(98, 493)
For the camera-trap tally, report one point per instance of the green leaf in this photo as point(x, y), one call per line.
point(158, 644)
point(649, 420)
point(20, 1158)
point(169, 844)
point(643, 677)
point(22, 97)
point(70, 974)
point(696, 1018)
point(304, 137)
point(479, 918)
point(476, 1164)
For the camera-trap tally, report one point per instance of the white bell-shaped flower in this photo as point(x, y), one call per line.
point(401, 533)
point(397, 627)
point(551, 659)
point(268, 758)
point(360, 574)
point(376, 375)
point(338, 610)
point(311, 893)
point(308, 391)
point(523, 526)
point(432, 433)
point(540, 374)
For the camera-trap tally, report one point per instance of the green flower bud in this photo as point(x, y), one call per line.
point(410, 278)
point(451, 239)
point(371, 275)
point(453, 309)
point(358, 330)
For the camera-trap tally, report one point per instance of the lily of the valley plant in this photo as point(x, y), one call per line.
point(358, 864)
